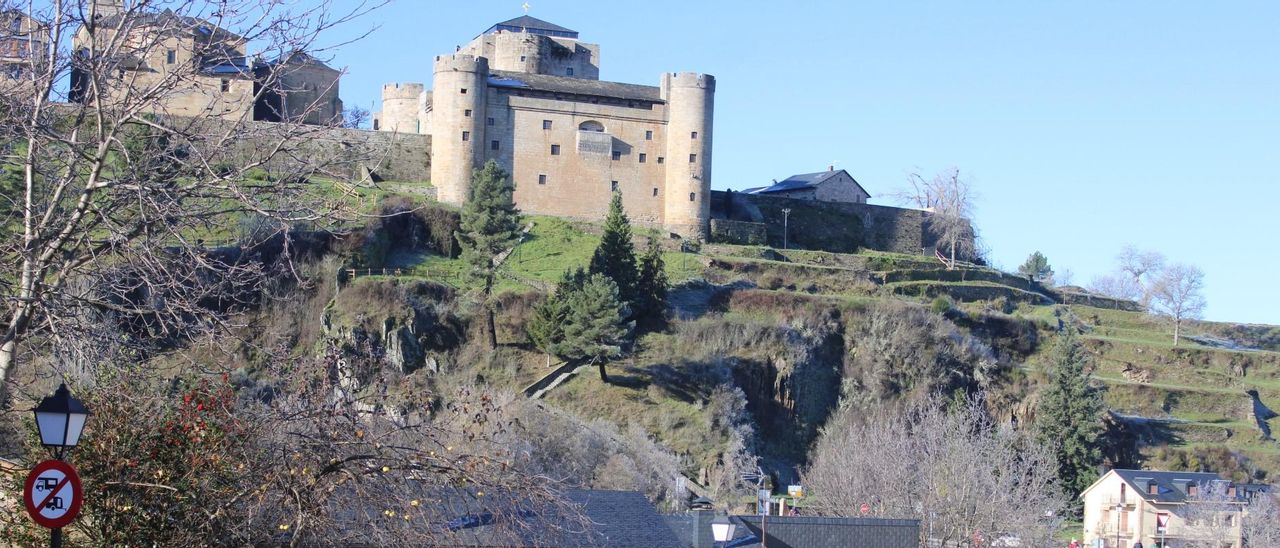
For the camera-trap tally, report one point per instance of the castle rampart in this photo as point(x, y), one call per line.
point(458, 123)
point(401, 108)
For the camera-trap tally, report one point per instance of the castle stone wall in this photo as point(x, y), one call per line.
point(391, 156)
point(401, 108)
point(690, 111)
point(458, 123)
point(830, 226)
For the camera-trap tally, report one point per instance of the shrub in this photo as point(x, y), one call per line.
point(941, 305)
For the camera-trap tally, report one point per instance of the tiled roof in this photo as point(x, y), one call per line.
point(624, 519)
point(533, 23)
point(1171, 487)
point(801, 181)
point(576, 86)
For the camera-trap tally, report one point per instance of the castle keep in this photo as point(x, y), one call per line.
point(527, 94)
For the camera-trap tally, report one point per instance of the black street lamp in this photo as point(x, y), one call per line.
point(60, 419)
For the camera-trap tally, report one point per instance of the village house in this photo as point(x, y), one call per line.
point(831, 185)
point(1169, 509)
point(22, 39)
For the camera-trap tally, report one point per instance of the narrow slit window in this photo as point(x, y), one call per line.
point(226, 86)
point(693, 196)
point(655, 191)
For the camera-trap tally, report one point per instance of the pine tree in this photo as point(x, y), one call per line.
point(1070, 415)
point(651, 288)
point(595, 327)
point(1036, 268)
point(546, 328)
point(490, 225)
point(615, 257)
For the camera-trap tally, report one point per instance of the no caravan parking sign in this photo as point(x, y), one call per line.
point(53, 494)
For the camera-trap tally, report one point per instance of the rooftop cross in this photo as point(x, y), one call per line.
point(526, 7)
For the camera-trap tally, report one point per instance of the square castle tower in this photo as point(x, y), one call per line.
point(527, 94)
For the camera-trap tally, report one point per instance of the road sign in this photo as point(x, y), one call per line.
point(53, 494)
point(1162, 522)
point(865, 508)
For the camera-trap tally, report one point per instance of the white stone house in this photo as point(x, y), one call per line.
point(1168, 509)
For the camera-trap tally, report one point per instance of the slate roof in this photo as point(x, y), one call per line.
point(532, 24)
point(803, 181)
point(1171, 486)
point(623, 519)
point(576, 86)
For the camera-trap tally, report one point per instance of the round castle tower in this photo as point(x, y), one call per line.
point(457, 123)
point(400, 108)
point(690, 101)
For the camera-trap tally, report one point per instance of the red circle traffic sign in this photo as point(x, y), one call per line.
point(53, 494)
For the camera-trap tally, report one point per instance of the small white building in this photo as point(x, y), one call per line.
point(1168, 509)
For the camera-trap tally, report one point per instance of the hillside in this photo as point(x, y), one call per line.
point(764, 343)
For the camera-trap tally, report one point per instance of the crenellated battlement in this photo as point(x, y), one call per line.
point(689, 80)
point(461, 62)
point(402, 90)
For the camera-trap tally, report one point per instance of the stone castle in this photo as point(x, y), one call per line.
point(527, 94)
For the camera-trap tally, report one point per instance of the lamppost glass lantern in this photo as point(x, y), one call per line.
point(722, 529)
point(60, 419)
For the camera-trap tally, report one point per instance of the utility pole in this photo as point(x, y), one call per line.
point(786, 212)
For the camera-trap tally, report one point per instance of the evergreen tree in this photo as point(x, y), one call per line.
point(651, 288)
point(615, 257)
point(1070, 414)
point(546, 328)
point(1036, 268)
point(595, 327)
point(490, 225)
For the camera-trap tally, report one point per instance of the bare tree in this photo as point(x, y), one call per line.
point(1262, 521)
point(151, 149)
point(1212, 517)
point(356, 117)
point(1117, 286)
point(1176, 294)
point(951, 467)
point(950, 199)
point(1138, 264)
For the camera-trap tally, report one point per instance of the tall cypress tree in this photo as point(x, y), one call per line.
point(651, 288)
point(615, 257)
point(1070, 415)
point(490, 225)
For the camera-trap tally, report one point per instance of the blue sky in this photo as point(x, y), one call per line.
point(1084, 125)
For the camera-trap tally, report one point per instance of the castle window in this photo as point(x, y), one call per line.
point(467, 113)
point(555, 150)
point(15, 26)
point(493, 145)
point(568, 71)
point(375, 124)
point(542, 179)
point(617, 155)
point(693, 158)
point(521, 58)
point(648, 135)
point(655, 191)
point(642, 157)
point(613, 186)
point(226, 85)
point(661, 160)
point(693, 135)
point(489, 121)
point(591, 125)
point(170, 57)
point(464, 91)
point(546, 124)
point(466, 136)
point(693, 196)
